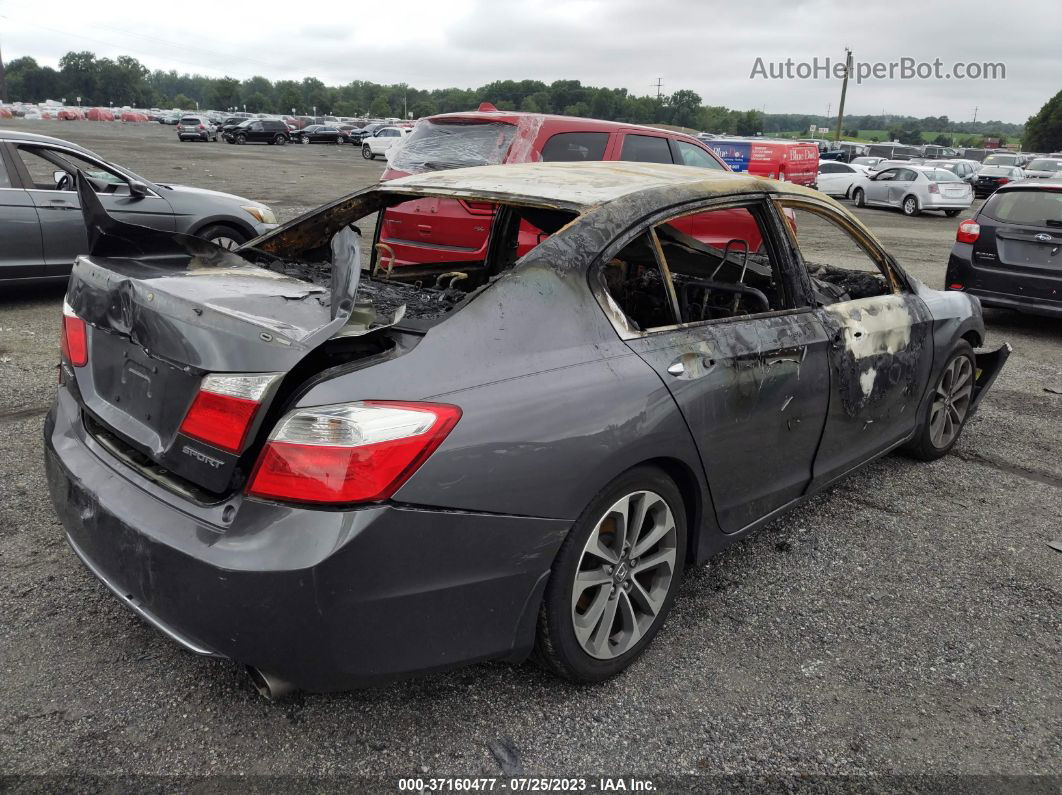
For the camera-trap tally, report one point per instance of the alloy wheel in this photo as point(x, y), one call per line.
point(951, 402)
point(625, 573)
point(226, 243)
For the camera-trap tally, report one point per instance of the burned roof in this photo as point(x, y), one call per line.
point(581, 186)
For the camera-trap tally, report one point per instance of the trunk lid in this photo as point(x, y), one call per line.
point(181, 308)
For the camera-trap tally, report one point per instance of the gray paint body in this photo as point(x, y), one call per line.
point(557, 402)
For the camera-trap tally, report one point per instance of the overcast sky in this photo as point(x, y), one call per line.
point(708, 47)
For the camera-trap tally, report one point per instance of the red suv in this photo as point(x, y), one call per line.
point(431, 231)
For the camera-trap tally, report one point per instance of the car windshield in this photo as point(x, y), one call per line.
point(940, 175)
point(1040, 207)
point(995, 171)
point(1045, 165)
point(1001, 160)
point(438, 145)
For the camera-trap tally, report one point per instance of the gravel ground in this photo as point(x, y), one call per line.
point(905, 623)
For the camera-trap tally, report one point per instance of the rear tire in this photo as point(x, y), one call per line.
point(949, 406)
point(857, 197)
point(612, 587)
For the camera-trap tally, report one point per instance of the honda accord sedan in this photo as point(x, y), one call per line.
point(336, 471)
point(41, 227)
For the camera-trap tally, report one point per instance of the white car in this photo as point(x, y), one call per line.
point(914, 189)
point(836, 178)
point(382, 140)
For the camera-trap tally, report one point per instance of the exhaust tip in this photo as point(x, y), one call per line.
point(268, 685)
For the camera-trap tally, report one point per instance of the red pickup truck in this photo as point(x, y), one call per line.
point(436, 231)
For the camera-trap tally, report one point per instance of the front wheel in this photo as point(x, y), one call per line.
point(949, 406)
point(951, 213)
point(615, 578)
point(241, 139)
point(366, 152)
point(341, 139)
point(857, 197)
point(910, 206)
point(305, 139)
point(225, 236)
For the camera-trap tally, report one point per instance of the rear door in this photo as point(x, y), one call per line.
point(747, 367)
point(21, 246)
point(61, 223)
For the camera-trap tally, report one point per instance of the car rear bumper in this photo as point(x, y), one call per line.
point(1000, 287)
point(947, 203)
point(1034, 306)
point(326, 600)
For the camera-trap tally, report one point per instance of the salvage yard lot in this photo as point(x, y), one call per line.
point(906, 622)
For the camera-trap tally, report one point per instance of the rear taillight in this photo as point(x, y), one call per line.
point(1003, 180)
point(478, 208)
point(968, 232)
point(73, 341)
point(201, 127)
point(934, 188)
point(224, 409)
point(353, 452)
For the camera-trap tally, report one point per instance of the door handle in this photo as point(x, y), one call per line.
point(678, 368)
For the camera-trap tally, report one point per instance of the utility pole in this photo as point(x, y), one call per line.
point(975, 113)
point(3, 80)
point(659, 92)
point(844, 90)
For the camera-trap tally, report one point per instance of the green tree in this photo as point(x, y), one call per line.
point(314, 95)
point(1043, 130)
point(685, 108)
point(225, 93)
point(183, 102)
point(79, 72)
point(287, 97)
point(380, 108)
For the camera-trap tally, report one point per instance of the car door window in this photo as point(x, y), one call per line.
point(43, 162)
point(645, 149)
point(666, 276)
point(575, 146)
point(691, 155)
point(839, 266)
point(830, 168)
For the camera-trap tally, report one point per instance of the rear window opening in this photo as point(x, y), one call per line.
point(453, 143)
point(1033, 207)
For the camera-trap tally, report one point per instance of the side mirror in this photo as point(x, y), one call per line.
point(138, 189)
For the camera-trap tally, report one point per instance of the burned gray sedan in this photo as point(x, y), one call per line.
point(336, 471)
